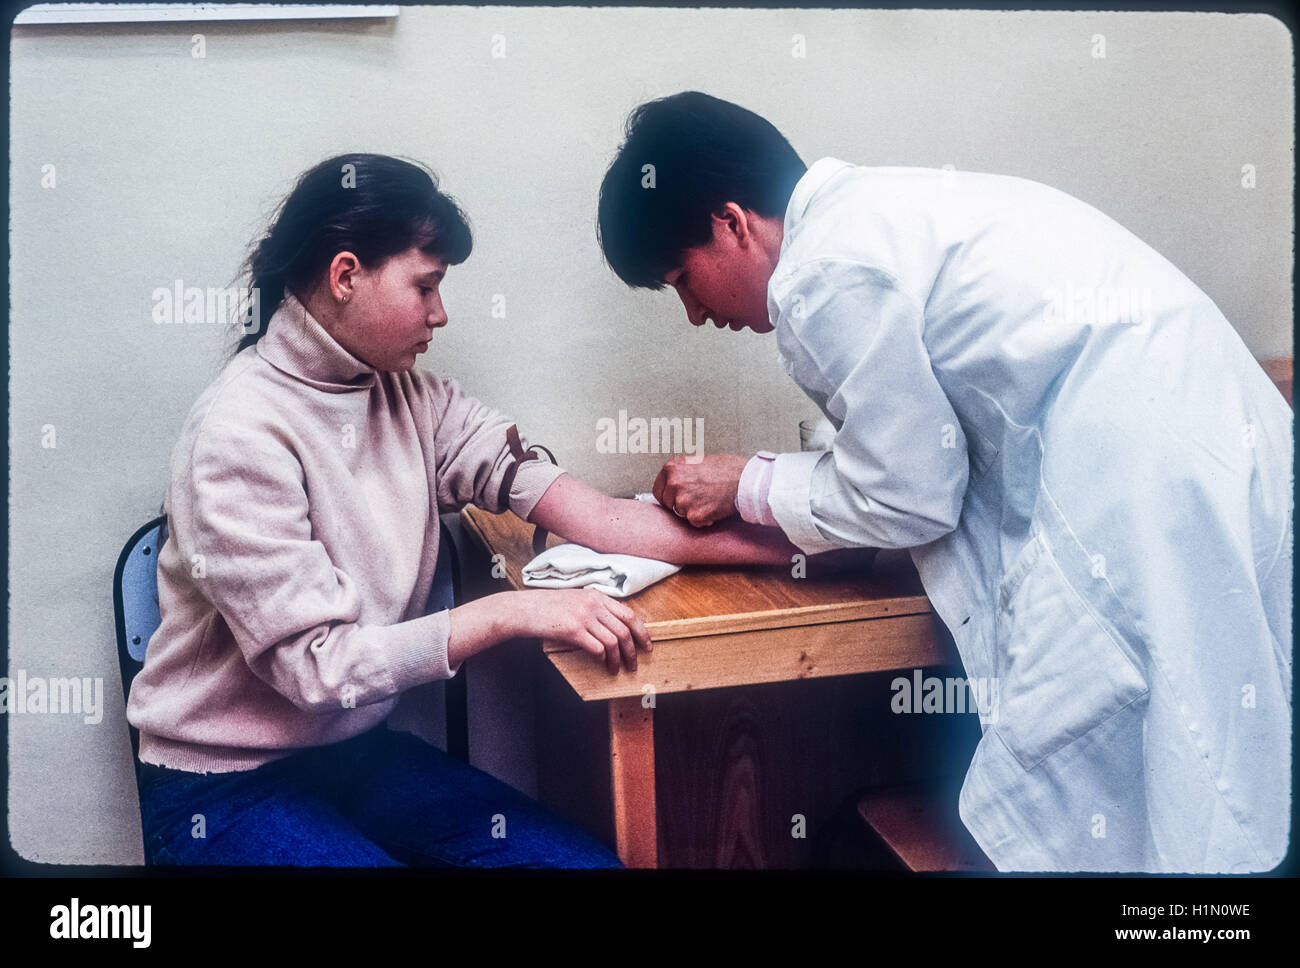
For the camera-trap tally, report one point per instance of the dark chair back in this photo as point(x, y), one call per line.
point(135, 604)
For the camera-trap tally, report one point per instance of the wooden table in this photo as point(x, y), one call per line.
point(719, 627)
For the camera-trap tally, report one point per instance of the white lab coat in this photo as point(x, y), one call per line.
point(1094, 477)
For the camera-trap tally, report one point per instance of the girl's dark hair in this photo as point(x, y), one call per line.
point(373, 206)
point(705, 152)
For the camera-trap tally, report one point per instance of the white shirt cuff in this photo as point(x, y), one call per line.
point(751, 492)
point(790, 500)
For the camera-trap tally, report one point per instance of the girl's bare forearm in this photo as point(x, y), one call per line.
point(480, 624)
point(609, 525)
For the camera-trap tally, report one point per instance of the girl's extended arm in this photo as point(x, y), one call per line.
point(609, 525)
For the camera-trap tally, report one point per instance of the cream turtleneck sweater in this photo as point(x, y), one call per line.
point(303, 534)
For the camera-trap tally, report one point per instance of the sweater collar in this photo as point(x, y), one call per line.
point(300, 346)
point(809, 185)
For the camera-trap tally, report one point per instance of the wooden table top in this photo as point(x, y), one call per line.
point(712, 600)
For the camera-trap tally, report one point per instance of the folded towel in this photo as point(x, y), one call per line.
point(573, 566)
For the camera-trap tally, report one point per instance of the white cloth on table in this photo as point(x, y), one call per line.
point(573, 566)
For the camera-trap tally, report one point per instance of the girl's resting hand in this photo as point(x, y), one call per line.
point(584, 617)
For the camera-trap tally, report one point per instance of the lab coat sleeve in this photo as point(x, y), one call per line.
point(897, 471)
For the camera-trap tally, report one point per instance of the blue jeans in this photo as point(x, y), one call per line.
point(381, 799)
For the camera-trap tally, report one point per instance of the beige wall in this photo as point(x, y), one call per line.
point(166, 166)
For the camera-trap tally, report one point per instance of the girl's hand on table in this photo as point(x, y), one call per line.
point(584, 617)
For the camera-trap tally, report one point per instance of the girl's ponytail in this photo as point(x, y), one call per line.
point(266, 272)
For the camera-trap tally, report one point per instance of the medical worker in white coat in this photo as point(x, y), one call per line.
point(1091, 470)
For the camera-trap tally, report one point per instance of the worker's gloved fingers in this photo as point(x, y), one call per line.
point(669, 491)
point(661, 482)
point(672, 495)
point(701, 516)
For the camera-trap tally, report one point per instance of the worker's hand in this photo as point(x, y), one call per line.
point(700, 491)
point(589, 619)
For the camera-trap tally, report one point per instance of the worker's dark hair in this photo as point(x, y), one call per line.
point(705, 152)
point(373, 206)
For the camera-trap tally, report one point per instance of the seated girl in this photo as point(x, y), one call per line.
point(303, 534)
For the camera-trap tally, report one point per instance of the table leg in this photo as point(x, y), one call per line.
point(632, 775)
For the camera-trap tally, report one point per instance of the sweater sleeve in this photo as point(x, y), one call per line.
point(241, 518)
point(472, 456)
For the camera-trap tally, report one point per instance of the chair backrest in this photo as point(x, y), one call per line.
point(135, 603)
point(445, 592)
